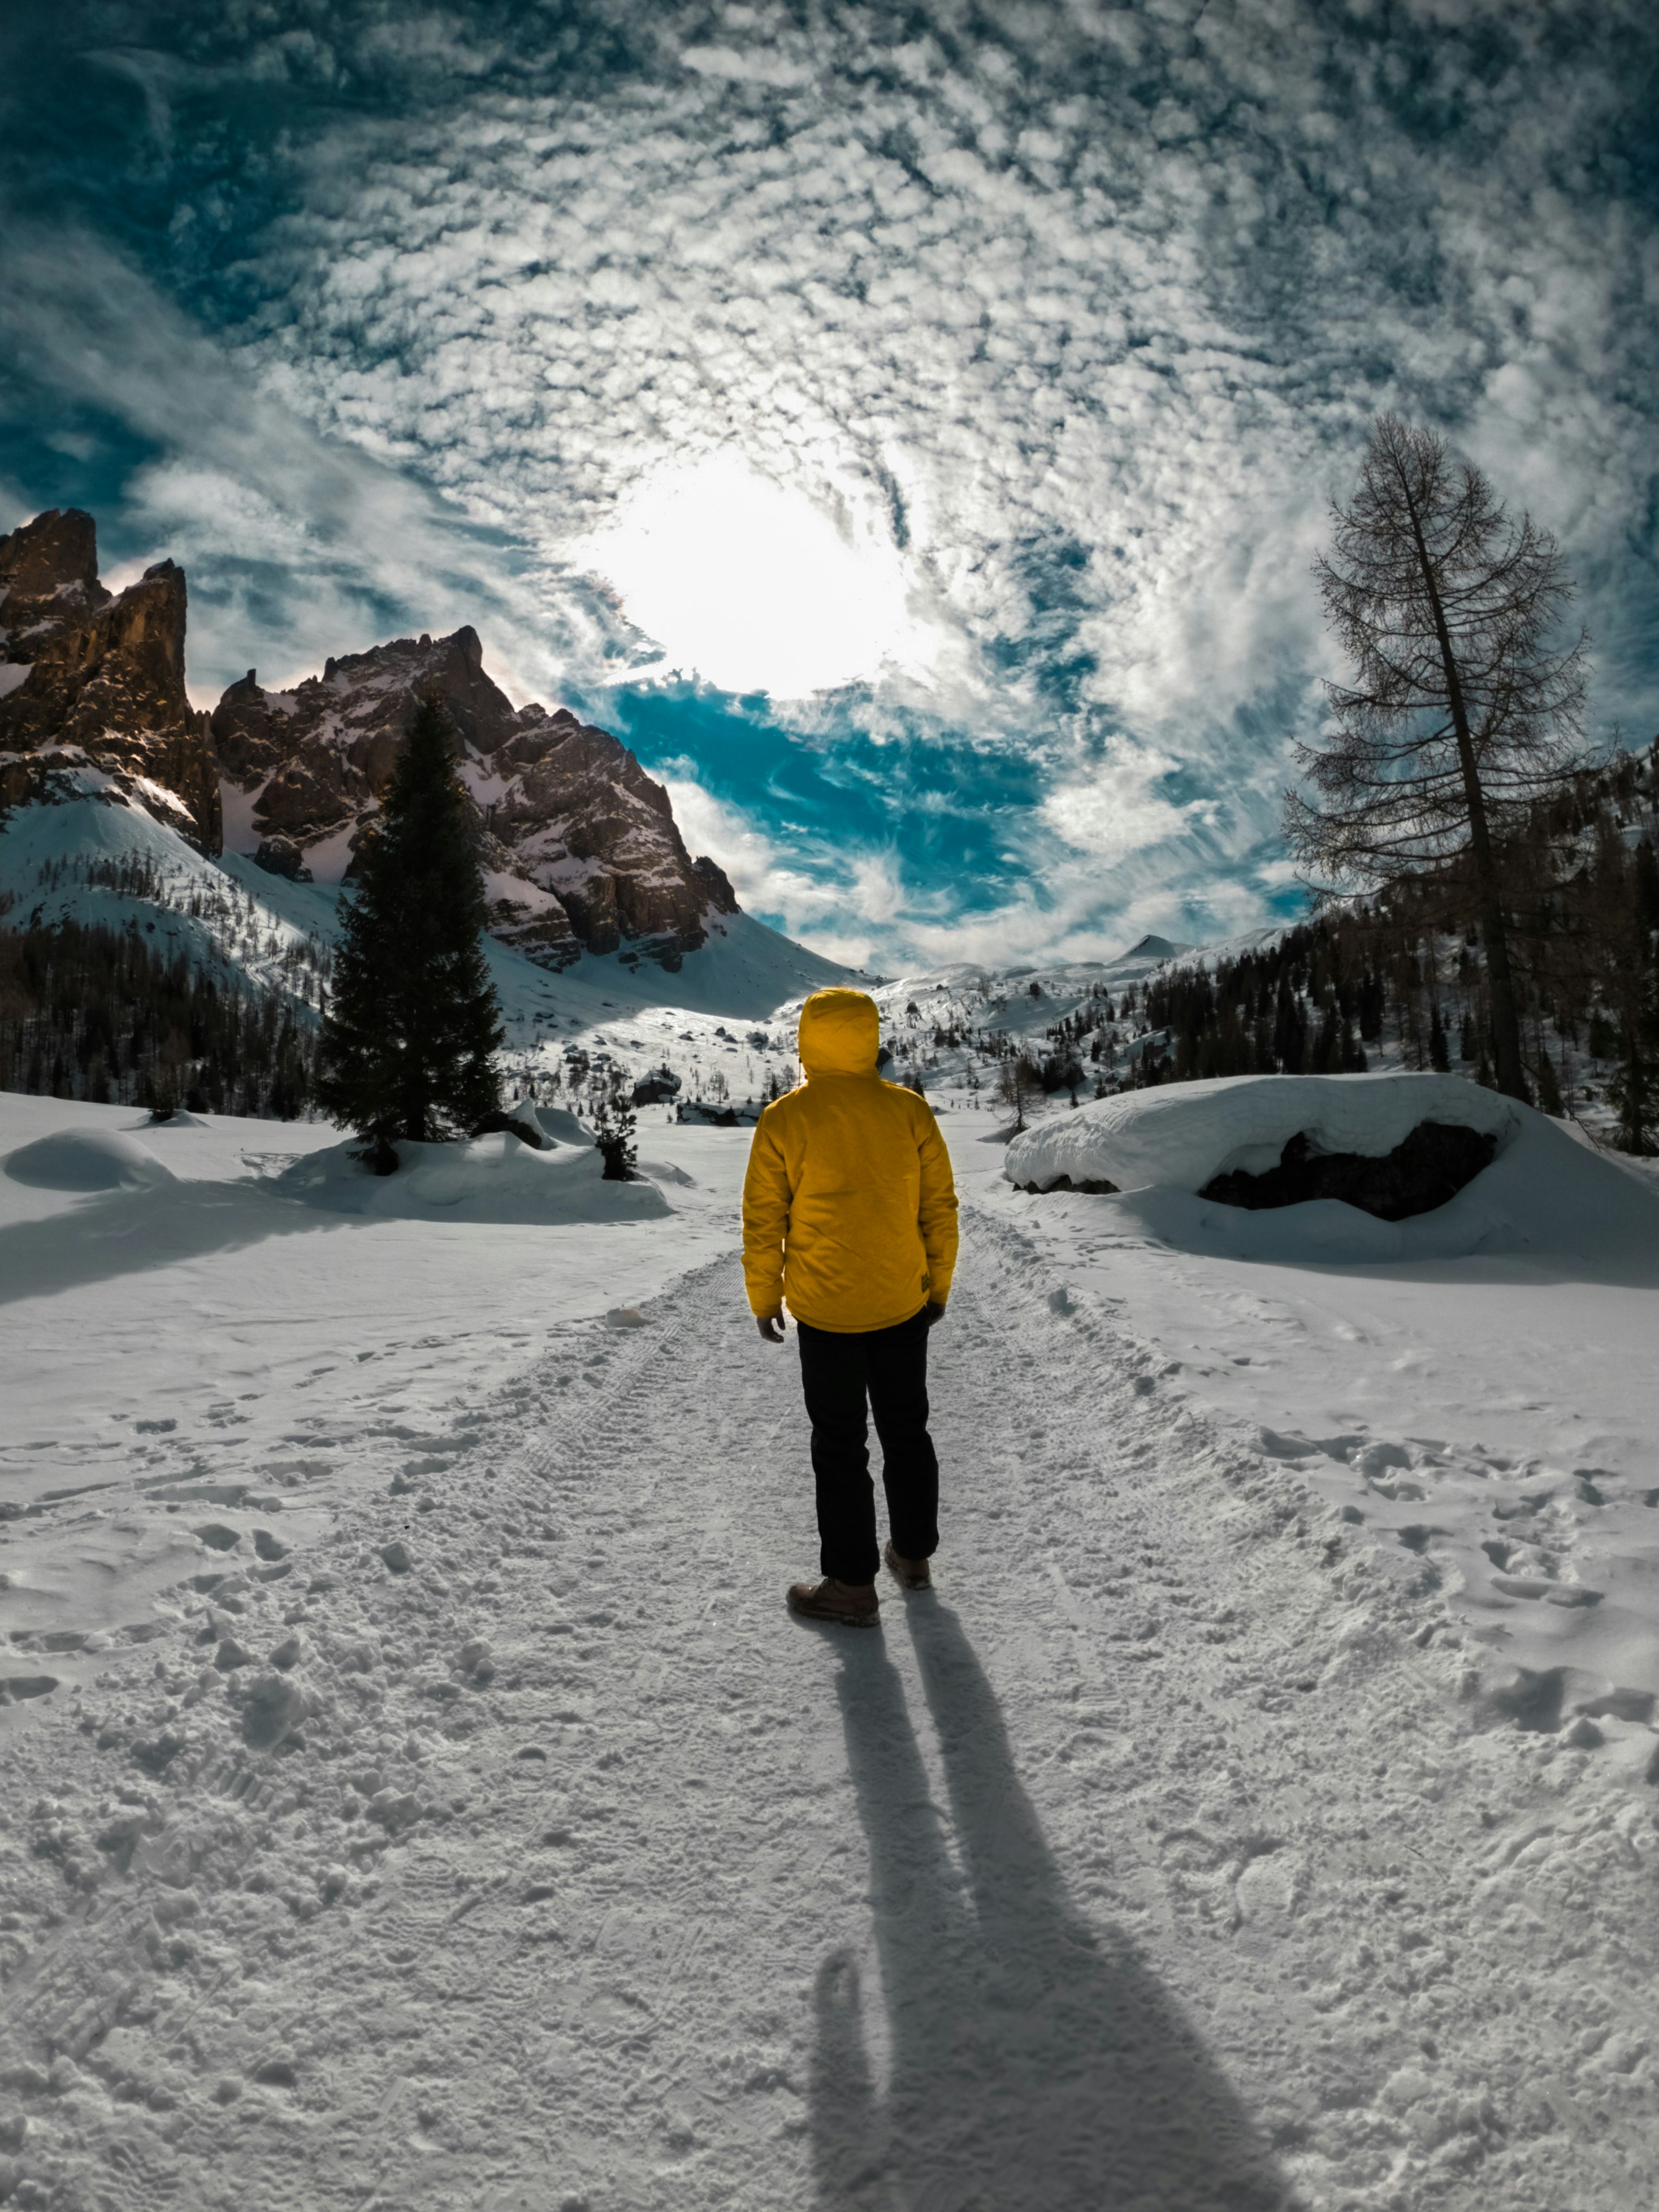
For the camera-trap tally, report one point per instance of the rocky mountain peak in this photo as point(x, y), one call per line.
point(57, 553)
point(580, 844)
point(94, 681)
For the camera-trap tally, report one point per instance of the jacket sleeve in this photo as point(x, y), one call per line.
point(765, 1219)
point(937, 1214)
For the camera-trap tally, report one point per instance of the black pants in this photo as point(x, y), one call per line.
point(837, 1371)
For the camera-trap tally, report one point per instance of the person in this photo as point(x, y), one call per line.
point(849, 1214)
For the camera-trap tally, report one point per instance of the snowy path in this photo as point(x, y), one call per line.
point(1151, 1863)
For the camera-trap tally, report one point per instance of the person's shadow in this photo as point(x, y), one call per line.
point(1036, 2064)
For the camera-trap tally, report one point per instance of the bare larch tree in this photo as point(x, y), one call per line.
point(1464, 706)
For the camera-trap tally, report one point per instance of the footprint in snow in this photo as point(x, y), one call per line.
point(14, 1688)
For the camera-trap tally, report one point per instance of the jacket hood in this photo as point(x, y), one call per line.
point(840, 1034)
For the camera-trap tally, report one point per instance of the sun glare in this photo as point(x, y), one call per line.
point(749, 585)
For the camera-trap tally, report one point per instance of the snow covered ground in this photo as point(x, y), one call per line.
point(1475, 1386)
point(417, 1794)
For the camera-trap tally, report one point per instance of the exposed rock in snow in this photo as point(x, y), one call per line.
point(105, 678)
point(1425, 1170)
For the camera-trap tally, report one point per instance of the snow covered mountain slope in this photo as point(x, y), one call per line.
point(97, 859)
point(974, 995)
point(92, 857)
point(421, 1795)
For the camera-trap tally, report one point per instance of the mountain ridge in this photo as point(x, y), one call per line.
point(579, 843)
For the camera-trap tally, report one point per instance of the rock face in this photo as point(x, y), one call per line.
point(89, 680)
point(580, 845)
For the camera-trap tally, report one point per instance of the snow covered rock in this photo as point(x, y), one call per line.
point(557, 1124)
point(1545, 1195)
point(1182, 1136)
point(87, 1160)
point(273, 1706)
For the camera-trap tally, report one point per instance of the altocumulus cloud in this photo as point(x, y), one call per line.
point(971, 381)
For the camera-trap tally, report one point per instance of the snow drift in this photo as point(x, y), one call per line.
point(1545, 1194)
point(489, 1179)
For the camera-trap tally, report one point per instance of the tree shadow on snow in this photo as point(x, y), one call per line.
point(1037, 2066)
point(127, 1232)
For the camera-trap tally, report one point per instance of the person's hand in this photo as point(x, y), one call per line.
point(932, 1314)
point(771, 1325)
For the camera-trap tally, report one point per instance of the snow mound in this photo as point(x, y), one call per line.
point(556, 1123)
point(1180, 1136)
point(87, 1160)
point(1568, 1209)
point(489, 1179)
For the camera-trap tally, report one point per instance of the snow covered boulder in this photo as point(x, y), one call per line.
point(1267, 1140)
point(557, 1124)
point(87, 1160)
point(1546, 1193)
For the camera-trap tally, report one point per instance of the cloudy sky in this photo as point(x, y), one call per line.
point(910, 426)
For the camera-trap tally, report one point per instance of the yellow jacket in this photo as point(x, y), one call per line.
point(848, 1208)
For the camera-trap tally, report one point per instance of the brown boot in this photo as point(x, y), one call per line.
point(910, 1574)
point(855, 1604)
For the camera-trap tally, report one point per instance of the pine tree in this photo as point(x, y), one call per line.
point(1549, 1089)
point(1603, 1037)
point(1634, 1090)
point(1439, 1055)
point(408, 1039)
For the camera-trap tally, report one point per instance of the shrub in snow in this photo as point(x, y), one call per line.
point(613, 1134)
point(1018, 1086)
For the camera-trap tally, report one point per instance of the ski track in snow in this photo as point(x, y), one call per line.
point(1160, 1859)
